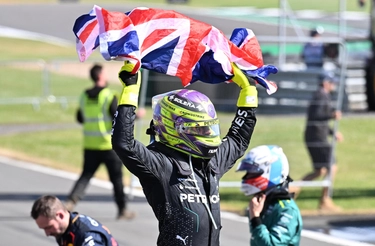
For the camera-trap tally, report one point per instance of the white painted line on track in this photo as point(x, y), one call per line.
point(107, 185)
point(232, 216)
point(271, 12)
point(310, 14)
point(354, 16)
point(331, 239)
point(62, 174)
point(21, 34)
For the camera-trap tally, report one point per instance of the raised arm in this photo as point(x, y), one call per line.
point(135, 156)
point(238, 138)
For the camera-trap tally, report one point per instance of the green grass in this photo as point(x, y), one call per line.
point(354, 183)
point(29, 50)
point(28, 82)
point(15, 49)
point(24, 81)
point(26, 114)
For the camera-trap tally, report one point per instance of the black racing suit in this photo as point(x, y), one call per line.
point(85, 231)
point(176, 193)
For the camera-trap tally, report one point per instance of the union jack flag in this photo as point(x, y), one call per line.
point(168, 42)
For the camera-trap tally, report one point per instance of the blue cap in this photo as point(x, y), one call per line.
point(328, 76)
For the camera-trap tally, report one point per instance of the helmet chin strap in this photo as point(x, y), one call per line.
point(151, 131)
point(199, 191)
point(285, 184)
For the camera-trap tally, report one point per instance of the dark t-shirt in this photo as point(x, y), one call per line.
point(319, 113)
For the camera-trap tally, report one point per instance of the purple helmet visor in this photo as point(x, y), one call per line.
point(208, 128)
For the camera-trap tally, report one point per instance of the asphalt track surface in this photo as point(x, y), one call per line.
point(21, 183)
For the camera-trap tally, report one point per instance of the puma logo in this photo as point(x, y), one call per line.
point(182, 239)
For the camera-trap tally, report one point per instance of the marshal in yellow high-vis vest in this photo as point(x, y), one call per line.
point(98, 105)
point(97, 123)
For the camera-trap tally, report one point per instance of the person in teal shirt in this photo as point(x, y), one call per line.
point(274, 217)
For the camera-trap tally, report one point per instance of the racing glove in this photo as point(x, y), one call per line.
point(131, 83)
point(248, 95)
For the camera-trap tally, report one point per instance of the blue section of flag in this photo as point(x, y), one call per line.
point(159, 59)
point(125, 45)
point(209, 70)
point(261, 73)
point(81, 21)
point(239, 36)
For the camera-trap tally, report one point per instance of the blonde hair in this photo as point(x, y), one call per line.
point(46, 206)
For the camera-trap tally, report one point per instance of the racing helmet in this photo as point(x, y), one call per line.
point(319, 30)
point(266, 168)
point(186, 120)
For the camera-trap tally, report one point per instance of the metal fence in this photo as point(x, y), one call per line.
point(29, 82)
point(295, 87)
point(37, 81)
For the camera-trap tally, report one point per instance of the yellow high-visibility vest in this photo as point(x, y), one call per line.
point(97, 121)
